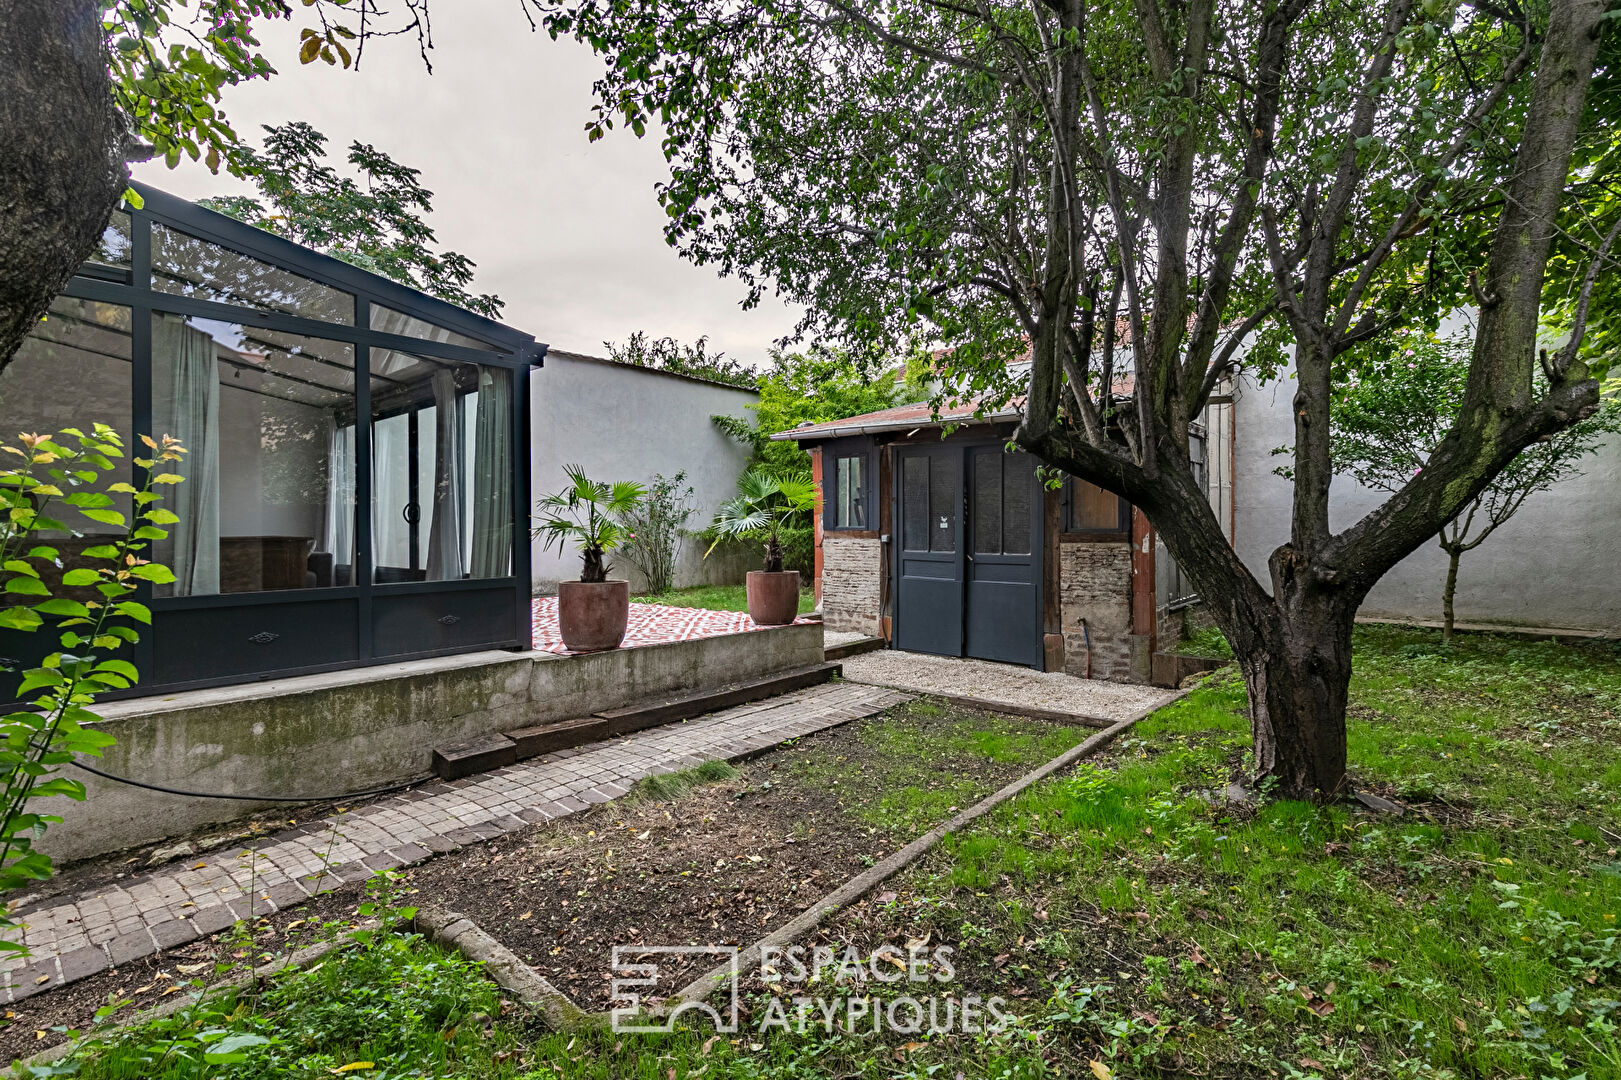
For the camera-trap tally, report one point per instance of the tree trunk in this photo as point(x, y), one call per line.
point(1298, 689)
point(1453, 555)
point(62, 163)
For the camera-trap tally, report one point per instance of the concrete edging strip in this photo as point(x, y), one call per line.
point(701, 987)
point(504, 967)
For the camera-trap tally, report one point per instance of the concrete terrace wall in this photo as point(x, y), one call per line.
point(371, 727)
point(627, 423)
point(1545, 569)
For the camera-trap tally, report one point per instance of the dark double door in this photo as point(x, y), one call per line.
point(968, 553)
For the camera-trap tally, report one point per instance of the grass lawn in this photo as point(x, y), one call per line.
point(1137, 924)
point(1140, 926)
point(718, 598)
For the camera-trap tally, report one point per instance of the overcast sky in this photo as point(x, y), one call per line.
point(569, 234)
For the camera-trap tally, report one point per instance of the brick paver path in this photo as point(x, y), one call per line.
point(204, 894)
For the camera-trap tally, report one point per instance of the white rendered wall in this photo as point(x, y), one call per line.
point(627, 423)
point(1548, 568)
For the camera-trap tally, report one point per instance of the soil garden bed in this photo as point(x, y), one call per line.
point(712, 856)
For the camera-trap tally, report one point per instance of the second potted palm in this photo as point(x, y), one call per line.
point(592, 612)
point(764, 506)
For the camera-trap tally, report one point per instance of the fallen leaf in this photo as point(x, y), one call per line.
point(1459, 1024)
point(1323, 1008)
point(42, 979)
point(1310, 1063)
point(354, 1066)
point(911, 1047)
point(200, 866)
point(1099, 1070)
point(525, 915)
point(191, 968)
point(1329, 989)
point(886, 898)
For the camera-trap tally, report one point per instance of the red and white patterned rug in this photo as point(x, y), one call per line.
point(649, 624)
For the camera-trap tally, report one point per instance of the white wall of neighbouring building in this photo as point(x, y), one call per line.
point(1551, 567)
point(621, 422)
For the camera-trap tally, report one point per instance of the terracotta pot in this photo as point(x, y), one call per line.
point(773, 596)
point(592, 614)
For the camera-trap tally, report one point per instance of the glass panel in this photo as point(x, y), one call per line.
point(113, 249)
point(850, 500)
point(915, 503)
point(1091, 509)
point(944, 494)
point(390, 321)
point(441, 469)
point(267, 418)
point(72, 370)
point(183, 265)
point(987, 501)
point(1017, 480)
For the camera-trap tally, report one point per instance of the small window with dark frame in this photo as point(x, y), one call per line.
point(1094, 510)
point(849, 493)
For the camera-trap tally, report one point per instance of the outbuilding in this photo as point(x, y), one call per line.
point(933, 535)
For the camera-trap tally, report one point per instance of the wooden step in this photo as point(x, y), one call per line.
point(474, 756)
point(854, 648)
point(546, 738)
point(637, 717)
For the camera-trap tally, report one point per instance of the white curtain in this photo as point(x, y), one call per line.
point(188, 407)
point(390, 491)
point(338, 535)
point(492, 475)
point(446, 560)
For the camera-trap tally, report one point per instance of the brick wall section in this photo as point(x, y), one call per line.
point(1095, 585)
point(852, 583)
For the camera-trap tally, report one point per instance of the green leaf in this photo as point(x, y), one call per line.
point(26, 586)
point(156, 573)
point(134, 610)
point(106, 517)
point(81, 576)
point(62, 606)
point(121, 667)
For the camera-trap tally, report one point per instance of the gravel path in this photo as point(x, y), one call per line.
point(949, 675)
point(831, 638)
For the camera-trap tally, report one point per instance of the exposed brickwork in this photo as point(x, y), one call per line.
point(1095, 585)
point(852, 583)
point(75, 936)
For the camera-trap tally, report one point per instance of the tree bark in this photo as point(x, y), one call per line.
point(1299, 685)
point(1454, 554)
point(62, 153)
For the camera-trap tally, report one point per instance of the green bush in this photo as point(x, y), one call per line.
point(799, 550)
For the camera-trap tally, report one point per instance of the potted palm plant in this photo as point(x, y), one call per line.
point(591, 612)
point(764, 506)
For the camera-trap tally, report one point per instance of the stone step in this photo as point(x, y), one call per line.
point(638, 717)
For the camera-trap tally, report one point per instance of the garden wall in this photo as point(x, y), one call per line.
point(621, 422)
point(353, 730)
